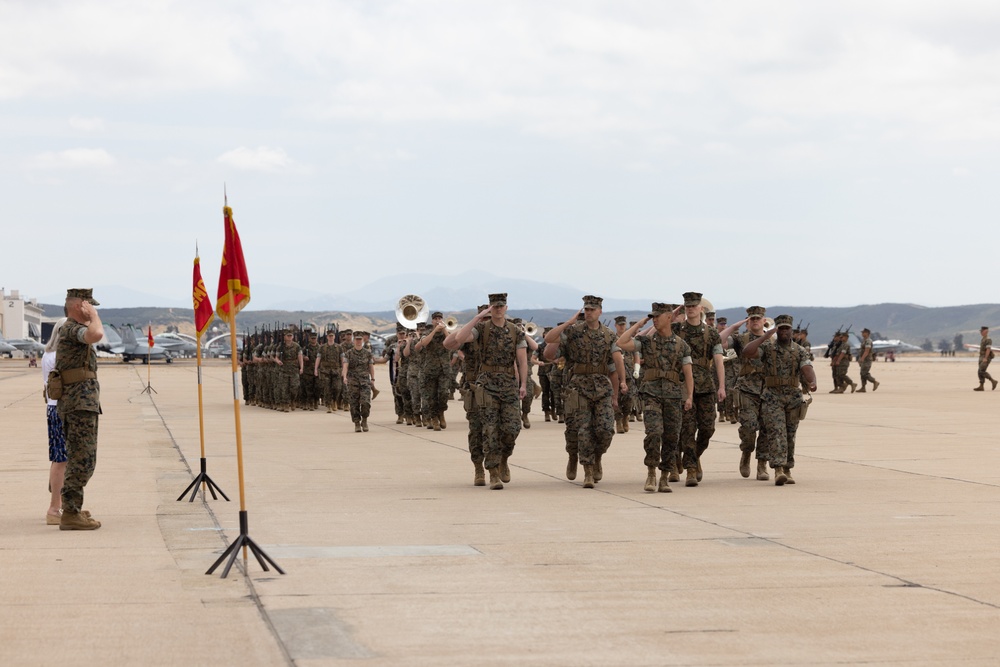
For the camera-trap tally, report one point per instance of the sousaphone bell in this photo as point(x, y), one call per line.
point(410, 310)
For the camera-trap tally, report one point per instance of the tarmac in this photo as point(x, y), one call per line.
point(885, 551)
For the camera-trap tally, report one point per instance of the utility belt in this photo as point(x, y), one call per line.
point(656, 374)
point(74, 375)
point(775, 381)
point(704, 363)
point(748, 369)
point(490, 368)
point(588, 369)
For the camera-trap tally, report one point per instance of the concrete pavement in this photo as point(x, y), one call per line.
point(884, 552)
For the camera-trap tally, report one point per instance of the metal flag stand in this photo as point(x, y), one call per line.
point(202, 478)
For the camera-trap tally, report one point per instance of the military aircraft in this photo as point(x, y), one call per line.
point(894, 345)
point(178, 345)
point(7, 348)
point(27, 345)
point(129, 346)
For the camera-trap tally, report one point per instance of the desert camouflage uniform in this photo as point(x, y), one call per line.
point(470, 350)
point(402, 379)
point(705, 343)
point(985, 357)
point(588, 395)
point(751, 387)
point(359, 382)
point(435, 383)
point(662, 396)
point(496, 389)
point(413, 373)
point(308, 395)
point(782, 398)
point(330, 383)
point(288, 379)
point(866, 365)
point(79, 409)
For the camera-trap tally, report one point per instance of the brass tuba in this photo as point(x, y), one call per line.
point(410, 310)
point(531, 330)
point(768, 324)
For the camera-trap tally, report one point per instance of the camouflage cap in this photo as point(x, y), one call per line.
point(709, 314)
point(346, 331)
point(756, 311)
point(722, 320)
point(287, 332)
point(984, 328)
point(87, 294)
point(692, 298)
point(866, 330)
point(784, 321)
point(659, 309)
point(632, 323)
point(437, 313)
point(482, 307)
point(591, 301)
point(499, 299)
point(516, 320)
point(359, 334)
point(620, 319)
point(313, 334)
point(546, 330)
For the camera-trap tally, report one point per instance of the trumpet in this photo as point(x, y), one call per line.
point(531, 330)
point(410, 310)
point(451, 324)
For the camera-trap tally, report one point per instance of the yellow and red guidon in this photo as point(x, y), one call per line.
point(233, 278)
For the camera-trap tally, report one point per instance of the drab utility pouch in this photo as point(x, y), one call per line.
point(804, 407)
point(483, 399)
point(468, 400)
point(55, 385)
point(571, 401)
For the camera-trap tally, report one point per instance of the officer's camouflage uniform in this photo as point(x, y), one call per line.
point(866, 365)
point(588, 395)
point(496, 390)
point(79, 408)
point(359, 387)
point(309, 397)
point(782, 398)
point(705, 344)
point(470, 351)
point(329, 375)
point(662, 396)
point(435, 383)
point(751, 387)
point(288, 380)
point(985, 357)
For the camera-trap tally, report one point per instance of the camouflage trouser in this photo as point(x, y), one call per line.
point(543, 380)
point(752, 434)
point(983, 373)
point(626, 401)
point(359, 395)
point(245, 381)
point(475, 435)
point(842, 374)
point(397, 399)
point(435, 389)
point(288, 386)
point(556, 388)
point(590, 424)
point(331, 385)
point(662, 418)
point(403, 389)
point(500, 421)
point(529, 396)
point(413, 384)
point(307, 388)
point(781, 421)
point(81, 451)
point(700, 419)
point(866, 373)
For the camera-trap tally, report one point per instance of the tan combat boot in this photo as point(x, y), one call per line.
point(399, 419)
point(675, 473)
point(788, 476)
point(588, 475)
point(692, 477)
point(874, 385)
point(650, 479)
point(504, 469)
point(863, 390)
point(441, 421)
point(854, 385)
point(480, 474)
point(495, 483)
point(664, 487)
point(329, 408)
point(548, 416)
point(994, 384)
point(722, 417)
point(357, 427)
point(779, 476)
point(571, 467)
point(598, 468)
point(364, 424)
point(745, 463)
point(524, 420)
point(435, 423)
point(78, 521)
point(979, 388)
point(625, 424)
point(618, 425)
point(762, 470)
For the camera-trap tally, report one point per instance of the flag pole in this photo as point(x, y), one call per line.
point(202, 480)
point(228, 312)
point(149, 362)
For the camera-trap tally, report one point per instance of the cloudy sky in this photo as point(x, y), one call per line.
point(800, 153)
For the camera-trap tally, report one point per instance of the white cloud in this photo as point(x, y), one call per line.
point(261, 158)
point(73, 158)
point(86, 124)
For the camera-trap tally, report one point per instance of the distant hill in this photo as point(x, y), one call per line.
point(908, 322)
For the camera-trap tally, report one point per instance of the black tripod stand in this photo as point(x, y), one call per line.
point(233, 550)
point(209, 484)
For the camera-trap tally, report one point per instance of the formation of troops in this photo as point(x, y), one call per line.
point(675, 371)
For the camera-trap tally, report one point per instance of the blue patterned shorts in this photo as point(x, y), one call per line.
point(57, 438)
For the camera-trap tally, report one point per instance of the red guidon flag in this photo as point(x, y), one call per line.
point(203, 312)
point(149, 334)
point(233, 276)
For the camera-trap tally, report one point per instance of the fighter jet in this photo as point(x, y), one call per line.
point(178, 345)
point(878, 346)
point(6, 348)
point(129, 347)
point(27, 345)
